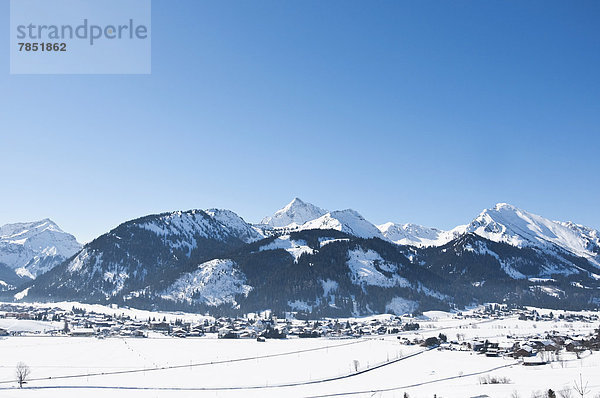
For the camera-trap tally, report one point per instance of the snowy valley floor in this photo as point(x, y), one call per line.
point(161, 366)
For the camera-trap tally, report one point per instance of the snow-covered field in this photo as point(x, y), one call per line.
point(162, 366)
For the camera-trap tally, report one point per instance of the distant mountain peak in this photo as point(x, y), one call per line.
point(31, 248)
point(348, 221)
point(509, 224)
point(295, 213)
point(13, 229)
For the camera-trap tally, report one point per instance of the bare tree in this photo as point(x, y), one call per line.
point(23, 371)
point(515, 394)
point(580, 388)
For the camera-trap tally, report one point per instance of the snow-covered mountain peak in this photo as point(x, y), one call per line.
point(517, 227)
point(295, 202)
point(508, 224)
point(348, 221)
point(294, 214)
point(31, 248)
point(27, 229)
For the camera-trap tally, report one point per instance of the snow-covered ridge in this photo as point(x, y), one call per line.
point(295, 247)
point(35, 247)
point(185, 227)
point(417, 235)
point(236, 225)
point(509, 224)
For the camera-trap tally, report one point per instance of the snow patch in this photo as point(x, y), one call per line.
point(22, 294)
point(214, 283)
point(538, 280)
point(401, 306)
point(24, 273)
point(549, 290)
point(299, 305)
point(364, 270)
point(329, 286)
point(326, 241)
point(295, 247)
point(432, 293)
point(77, 263)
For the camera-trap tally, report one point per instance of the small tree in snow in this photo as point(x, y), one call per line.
point(581, 388)
point(22, 373)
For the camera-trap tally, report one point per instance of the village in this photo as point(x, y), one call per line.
point(412, 330)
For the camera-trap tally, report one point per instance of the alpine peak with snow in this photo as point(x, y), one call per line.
point(299, 215)
point(32, 248)
point(327, 263)
point(293, 214)
point(509, 224)
point(348, 221)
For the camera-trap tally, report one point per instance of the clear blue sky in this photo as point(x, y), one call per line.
point(420, 111)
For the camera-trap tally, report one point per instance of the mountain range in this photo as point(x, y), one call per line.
point(309, 260)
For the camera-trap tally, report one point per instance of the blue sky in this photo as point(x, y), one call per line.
point(422, 112)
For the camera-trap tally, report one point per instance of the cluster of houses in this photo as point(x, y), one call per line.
point(269, 326)
point(81, 323)
point(536, 349)
point(533, 350)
